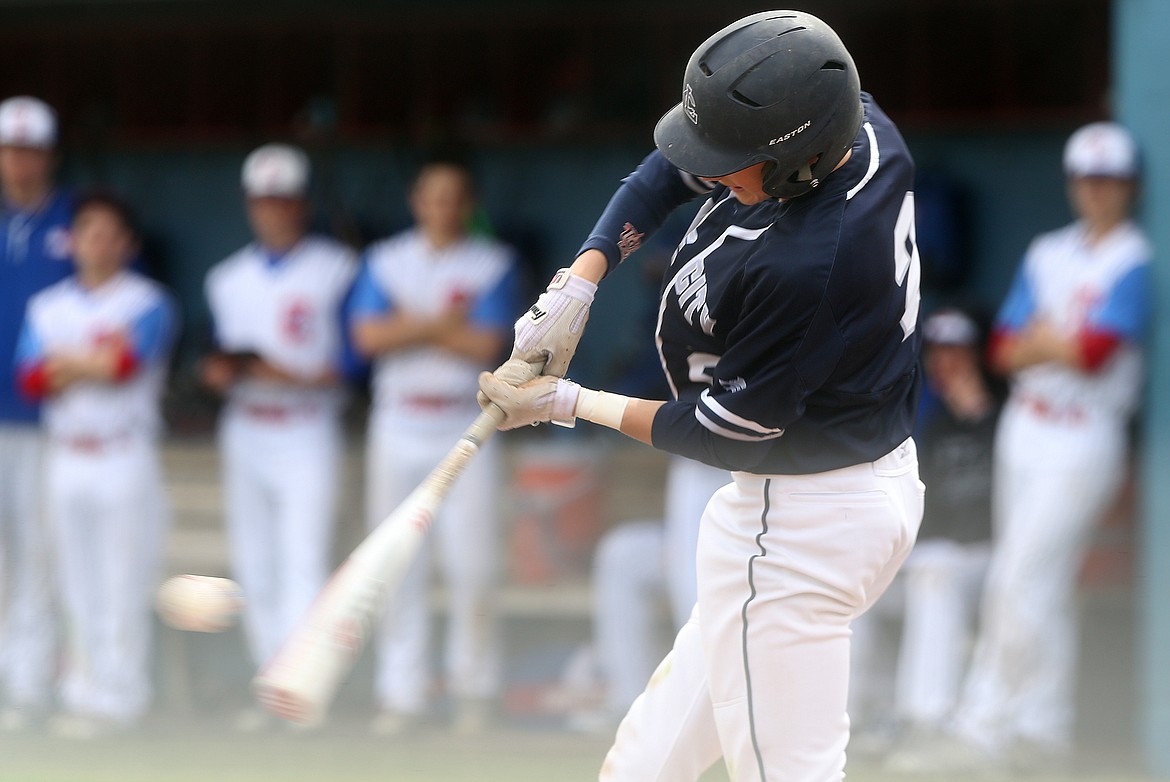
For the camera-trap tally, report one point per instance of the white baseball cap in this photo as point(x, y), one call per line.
point(950, 327)
point(27, 122)
point(1101, 149)
point(276, 170)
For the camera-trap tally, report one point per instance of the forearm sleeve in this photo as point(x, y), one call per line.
point(677, 430)
point(641, 204)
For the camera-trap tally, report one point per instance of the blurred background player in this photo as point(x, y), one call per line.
point(930, 610)
point(96, 348)
point(433, 307)
point(1069, 335)
point(276, 306)
point(34, 253)
point(639, 567)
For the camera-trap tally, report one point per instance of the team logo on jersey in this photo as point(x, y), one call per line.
point(733, 385)
point(298, 322)
point(688, 104)
point(629, 241)
point(690, 290)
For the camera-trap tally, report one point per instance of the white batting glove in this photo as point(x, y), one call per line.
point(537, 401)
point(549, 331)
point(531, 401)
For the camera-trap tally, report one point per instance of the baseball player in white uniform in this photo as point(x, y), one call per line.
point(433, 307)
point(797, 284)
point(276, 308)
point(95, 347)
point(1069, 334)
point(34, 253)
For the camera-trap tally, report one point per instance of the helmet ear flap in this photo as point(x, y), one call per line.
point(796, 183)
point(773, 181)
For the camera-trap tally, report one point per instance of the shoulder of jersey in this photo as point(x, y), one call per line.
point(145, 286)
point(233, 261)
point(505, 254)
point(391, 244)
point(1139, 243)
point(48, 294)
point(320, 243)
point(1057, 240)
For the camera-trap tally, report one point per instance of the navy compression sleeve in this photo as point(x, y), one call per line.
point(644, 200)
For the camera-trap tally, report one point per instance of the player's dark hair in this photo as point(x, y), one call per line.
point(445, 157)
point(103, 198)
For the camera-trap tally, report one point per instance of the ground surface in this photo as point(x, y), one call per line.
point(170, 751)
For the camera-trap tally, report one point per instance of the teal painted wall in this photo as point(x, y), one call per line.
point(1141, 30)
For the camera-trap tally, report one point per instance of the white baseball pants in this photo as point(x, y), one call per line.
point(280, 480)
point(464, 539)
point(760, 673)
point(1053, 481)
point(27, 637)
point(107, 509)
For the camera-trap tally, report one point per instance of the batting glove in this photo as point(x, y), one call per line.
point(537, 401)
point(549, 331)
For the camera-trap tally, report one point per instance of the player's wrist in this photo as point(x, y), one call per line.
point(591, 265)
point(564, 403)
point(575, 286)
point(601, 407)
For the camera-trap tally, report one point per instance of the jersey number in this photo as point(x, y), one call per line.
point(907, 268)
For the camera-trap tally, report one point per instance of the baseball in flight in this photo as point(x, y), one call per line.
point(202, 604)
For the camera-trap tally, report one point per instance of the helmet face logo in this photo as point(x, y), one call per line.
point(688, 103)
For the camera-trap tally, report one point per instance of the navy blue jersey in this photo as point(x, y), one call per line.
point(786, 328)
point(955, 456)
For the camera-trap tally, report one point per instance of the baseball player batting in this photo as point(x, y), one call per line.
point(797, 283)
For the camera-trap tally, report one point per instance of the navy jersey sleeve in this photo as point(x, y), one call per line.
point(785, 342)
point(640, 206)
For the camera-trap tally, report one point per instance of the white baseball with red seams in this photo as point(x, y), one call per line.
point(203, 604)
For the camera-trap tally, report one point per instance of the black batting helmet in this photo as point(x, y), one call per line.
point(776, 87)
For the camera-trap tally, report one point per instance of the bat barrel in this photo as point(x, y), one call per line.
point(300, 680)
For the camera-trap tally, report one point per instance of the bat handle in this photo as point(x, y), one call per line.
point(485, 424)
point(515, 371)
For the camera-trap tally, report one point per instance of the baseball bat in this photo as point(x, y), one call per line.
point(300, 680)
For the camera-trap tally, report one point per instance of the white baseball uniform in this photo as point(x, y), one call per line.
point(104, 491)
point(805, 311)
point(423, 399)
point(281, 443)
point(1059, 460)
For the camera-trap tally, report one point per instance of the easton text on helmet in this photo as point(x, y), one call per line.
point(791, 133)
